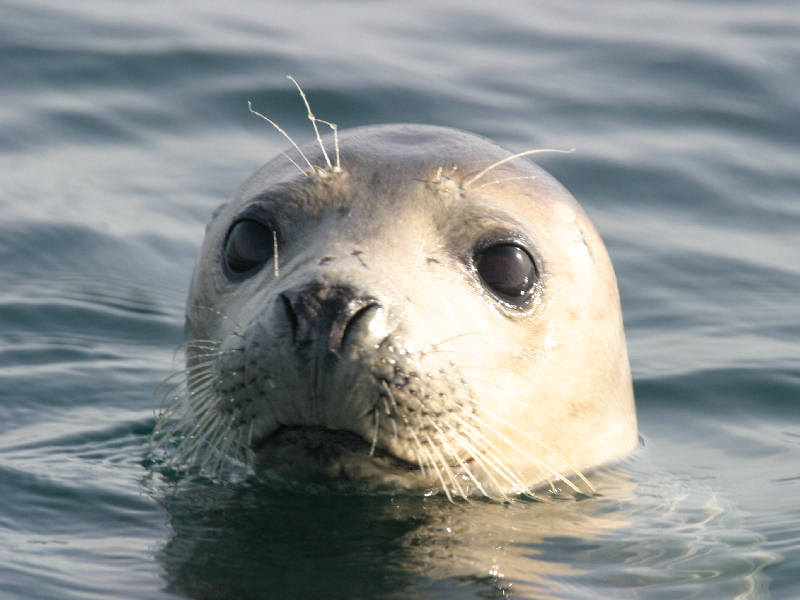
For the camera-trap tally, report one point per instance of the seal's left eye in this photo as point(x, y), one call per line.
point(508, 271)
point(248, 246)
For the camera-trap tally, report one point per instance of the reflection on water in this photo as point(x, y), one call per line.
point(254, 540)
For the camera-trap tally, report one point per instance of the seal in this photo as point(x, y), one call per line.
point(421, 309)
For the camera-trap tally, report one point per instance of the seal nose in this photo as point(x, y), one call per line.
point(330, 313)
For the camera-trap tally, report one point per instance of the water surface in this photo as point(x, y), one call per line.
point(123, 125)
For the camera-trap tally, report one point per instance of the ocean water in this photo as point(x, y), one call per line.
point(122, 126)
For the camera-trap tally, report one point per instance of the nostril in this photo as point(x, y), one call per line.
point(327, 315)
point(291, 315)
point(356, 310)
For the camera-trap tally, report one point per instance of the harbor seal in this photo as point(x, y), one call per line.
point(421, 309)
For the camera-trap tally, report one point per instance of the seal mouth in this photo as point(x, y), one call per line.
point(323, 446)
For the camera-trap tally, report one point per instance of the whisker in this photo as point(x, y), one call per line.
point(275, 252)
point(178, 373)
point(539, 443)
point(494, 458)
point(313, 120)
point(287, 136)
point(202, 384)
point(198, 345)
point(446, 467)
point(212, 445)
point(211, 309)
point(190, 375)
point(542, 465)
point(198, 341)
point(502, 161)
point(250, 433)
point(376, 412)
point(457, 336)
point(205, 434)
point(445, 489)
point(460, 461)
point(499, 181)
point(223, 454)
point(418, 448)
point(335, 128)
point(485, 461)
point(495, 370)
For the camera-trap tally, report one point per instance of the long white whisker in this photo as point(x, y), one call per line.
point(250, 433)
point(313, 120)
point(376, 412)
point(541, 444)
point(209, 354)
point(202, 385)
point(284, 134)
point(482, 459)
point(212, 445)
point(455, 337)
point(499, 181)
point(418, 448)
point(207, 434)
point(445, 489)
point(275, 253)
point(458, 459)
point(200, 342)
point(494, 457)
point(222, 452)
point(335, 128)
point(157, 392)
point(502, 161)
point(445, 466)
point(219, 313)
point(546, 468)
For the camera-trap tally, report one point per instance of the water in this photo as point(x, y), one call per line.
point(124, 125)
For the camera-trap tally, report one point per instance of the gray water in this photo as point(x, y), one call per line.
point(123, 125)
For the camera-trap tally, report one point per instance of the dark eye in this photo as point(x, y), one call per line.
point(508, 271)
point(249, 245)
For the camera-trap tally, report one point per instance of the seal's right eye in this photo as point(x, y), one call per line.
point(248, 246)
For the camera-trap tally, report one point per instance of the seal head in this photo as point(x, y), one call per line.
point(410, 319)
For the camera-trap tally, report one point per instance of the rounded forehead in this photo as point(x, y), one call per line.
point(390, 165)
point(417, 145)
